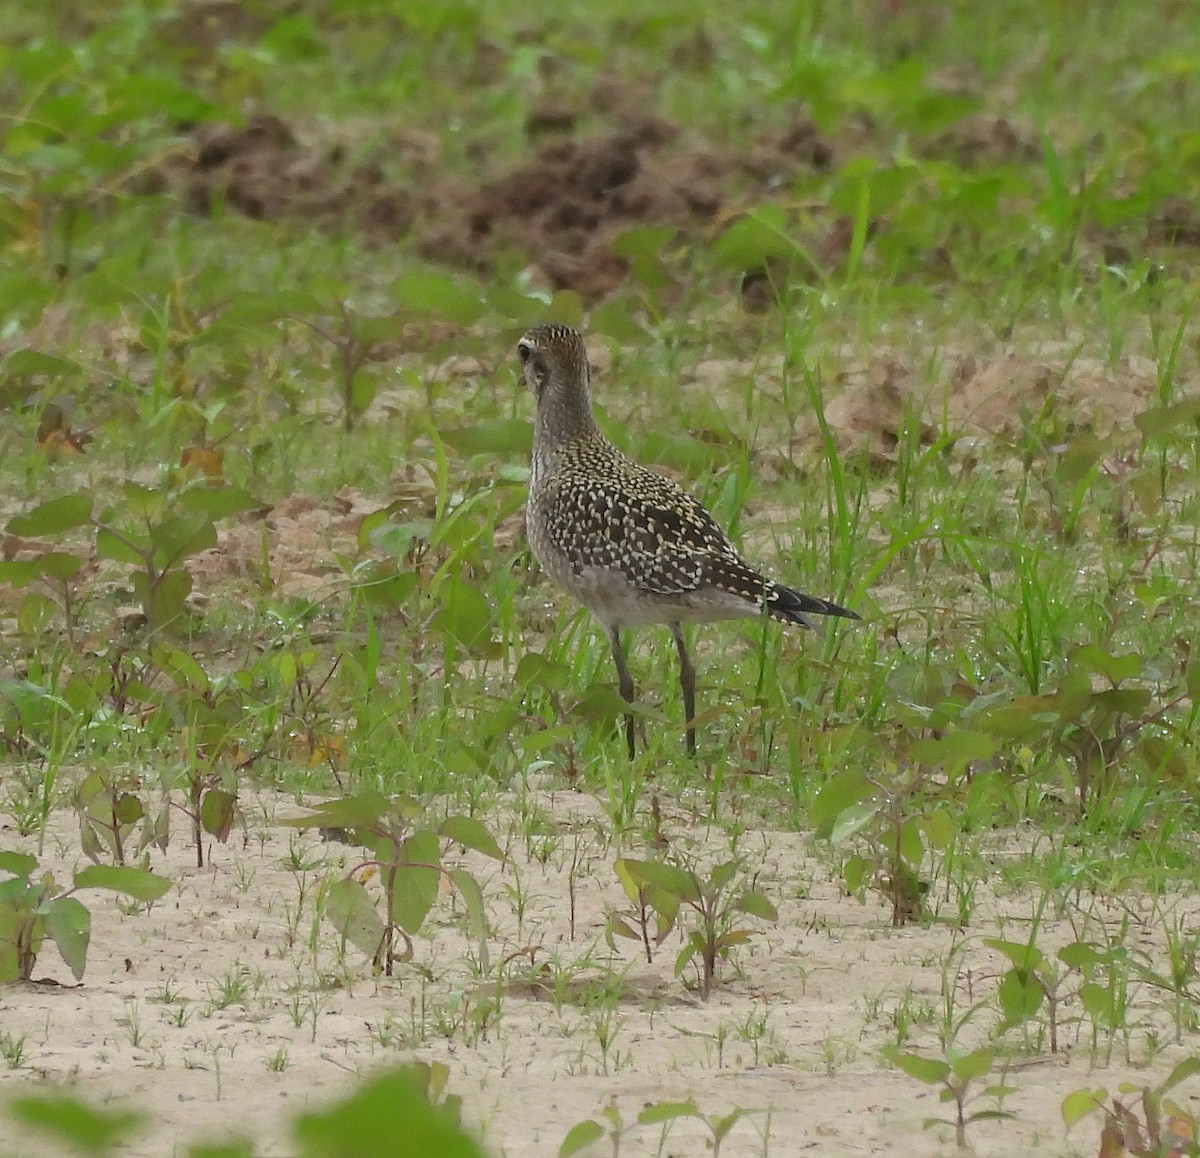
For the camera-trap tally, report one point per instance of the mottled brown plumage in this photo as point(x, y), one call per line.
point(629, 544)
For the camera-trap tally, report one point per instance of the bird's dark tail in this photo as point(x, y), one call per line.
point(791, 606)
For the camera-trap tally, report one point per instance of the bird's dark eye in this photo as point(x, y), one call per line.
point(524, 349)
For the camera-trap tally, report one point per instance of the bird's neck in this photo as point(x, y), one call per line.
point(564, 415)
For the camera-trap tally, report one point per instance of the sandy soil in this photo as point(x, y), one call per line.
point(793, 1032)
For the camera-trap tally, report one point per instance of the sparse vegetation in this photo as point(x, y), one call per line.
point(904, 292)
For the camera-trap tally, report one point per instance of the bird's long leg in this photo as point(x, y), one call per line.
point(687, 681)
point(625, 682)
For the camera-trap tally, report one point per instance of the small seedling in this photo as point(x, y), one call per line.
point(666, 888)
point(956, 1072)
point(1036, 980)
point(12, 1049)
point(31, 910)
point(888, 812)
point(584, 1134)
point(153, 533)
point(111, 814)
point(407, 858)
point(1165, 1130)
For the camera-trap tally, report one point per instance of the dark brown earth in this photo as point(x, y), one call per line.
point(563, 206)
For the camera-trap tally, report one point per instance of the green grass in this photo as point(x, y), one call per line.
point(337, 374)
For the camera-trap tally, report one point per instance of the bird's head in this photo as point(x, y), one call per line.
point(553, 359)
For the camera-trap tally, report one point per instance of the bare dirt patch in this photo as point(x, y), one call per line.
point(263, 170)
point(793, 1032)
point(563, 205)
point(983, 397)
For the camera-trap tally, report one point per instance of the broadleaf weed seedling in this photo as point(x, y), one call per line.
point(955, 1073)
point(31, 910)
point(668, 888)
point(1165, 1129)
point(407, 857)
point(110, 812)
point(887, 811)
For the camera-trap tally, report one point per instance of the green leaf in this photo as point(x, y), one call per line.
point(416, 882)
point(931, 1071)
point(439, 295)
point(721, 1124)
point(1184, 1070)
point(121, 548)
point(20, 864)
point(142, 94)
point(1079, 1103)
point(973, 1065)
point(364, 810)
point(535, 668)
point(390, 1117)
point(127, 809)
point(600, 702)
point(755, 238)
point(691, 947)
point(349, 910)
point(1022, 954)
point(721, 876)
point(219, 502)
point(471, 833)
point(1193, 680)
point(163, 601)
point(241, 1148)
point(464, 614)
point(394, 539)
point(939, 827)
point(1114, 668)
point(496, 438)
point(855, 873)
point(954, 751)
point(733, 937)
point(217, 811)
point(252, 308)
point(388, 590)
point(28, 363)
point(1160, 420)
point(580, 1137)
point(74, 1123)
point(21, 936)
point(59, 565)
point(1125, 701)
point(756, 905)
point(20, 573)
point(842, 791)
point(141, 884)
point(1079, 955)
point(660, 1112)
point(182, 667)
point(616, 319)
point(619, 927)
point(53, 517)
point(179, 538)
point(142, 502)
point(912, 847)
point(674, 881)
point(69, 925)
point(472, 894)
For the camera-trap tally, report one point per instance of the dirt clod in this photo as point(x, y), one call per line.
point(264, 171)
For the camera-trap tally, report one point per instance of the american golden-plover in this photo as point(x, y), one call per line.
point(629, 544)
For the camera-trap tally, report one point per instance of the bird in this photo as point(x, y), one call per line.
point(631, 545)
